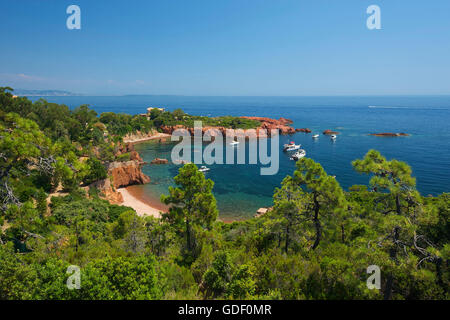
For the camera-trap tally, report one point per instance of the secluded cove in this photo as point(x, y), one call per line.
point(240, 190)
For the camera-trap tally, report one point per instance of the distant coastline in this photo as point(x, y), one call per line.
point(45, 93)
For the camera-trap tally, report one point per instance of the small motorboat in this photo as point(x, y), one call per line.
point(298, 155)
point(316, 136)
point(203, 169)
point(291, 146)
point(333, 137)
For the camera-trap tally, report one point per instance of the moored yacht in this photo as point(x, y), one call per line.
point(291, 146)
point(298, 155)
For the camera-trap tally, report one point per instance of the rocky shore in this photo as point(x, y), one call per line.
point(266, 125)
point(121, 174)
point(128, 173)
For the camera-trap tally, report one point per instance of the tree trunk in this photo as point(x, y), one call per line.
point(316, 223)
point(287, 239)
point(188, 235)
point(388, 288)
point(279, 239)
point(397, 204)
point(440, 282)
point(393, 256)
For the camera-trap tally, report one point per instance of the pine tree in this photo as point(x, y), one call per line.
point(192, 202)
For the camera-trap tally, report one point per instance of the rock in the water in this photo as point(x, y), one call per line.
point(329, 132)
point(159, 161)
point(305, 130)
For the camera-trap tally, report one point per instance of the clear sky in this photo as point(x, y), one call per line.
point(227, 47)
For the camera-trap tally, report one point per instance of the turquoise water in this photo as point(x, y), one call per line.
point(240, 189)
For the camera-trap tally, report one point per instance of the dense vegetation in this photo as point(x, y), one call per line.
point(178, 117)
point(316, 243)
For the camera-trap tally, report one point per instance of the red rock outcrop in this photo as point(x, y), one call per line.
point(107, 192)
point(389, 134)
point(282, 129)
point(330, 132)
point(159, 161)
point(305, 130)
point(285, 121)
point(135, 156)
point(128, 148)
point(171, 129)
point(122, 148)
point(282, 125)
point(121, 174)
point(127, 173)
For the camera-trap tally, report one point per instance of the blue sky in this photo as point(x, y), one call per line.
point(227, 47)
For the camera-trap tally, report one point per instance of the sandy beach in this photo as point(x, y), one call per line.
point(142, 208)
point(155, 136)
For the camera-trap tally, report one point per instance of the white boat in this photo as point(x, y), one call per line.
point(291, 146)
point(298, 155)
point(234, 143)
point(203, 169)
point(315, 136)
point(333, 137)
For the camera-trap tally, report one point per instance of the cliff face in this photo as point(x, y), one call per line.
point(128, 148)
point(127, 173)
point(107, 192)
point(121, 174)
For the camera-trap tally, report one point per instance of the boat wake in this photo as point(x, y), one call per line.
point(399, 107)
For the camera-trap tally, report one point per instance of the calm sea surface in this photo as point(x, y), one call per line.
point(240, 189)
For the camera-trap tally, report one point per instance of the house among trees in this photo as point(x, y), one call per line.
point(149, 110)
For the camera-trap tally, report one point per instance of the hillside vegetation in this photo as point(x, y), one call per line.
point(316, 243)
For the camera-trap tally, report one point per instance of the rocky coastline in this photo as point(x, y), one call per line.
point(121, 174)
point(265, 127)
point(128, 173)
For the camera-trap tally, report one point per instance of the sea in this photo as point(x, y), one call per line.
point(241, 190)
